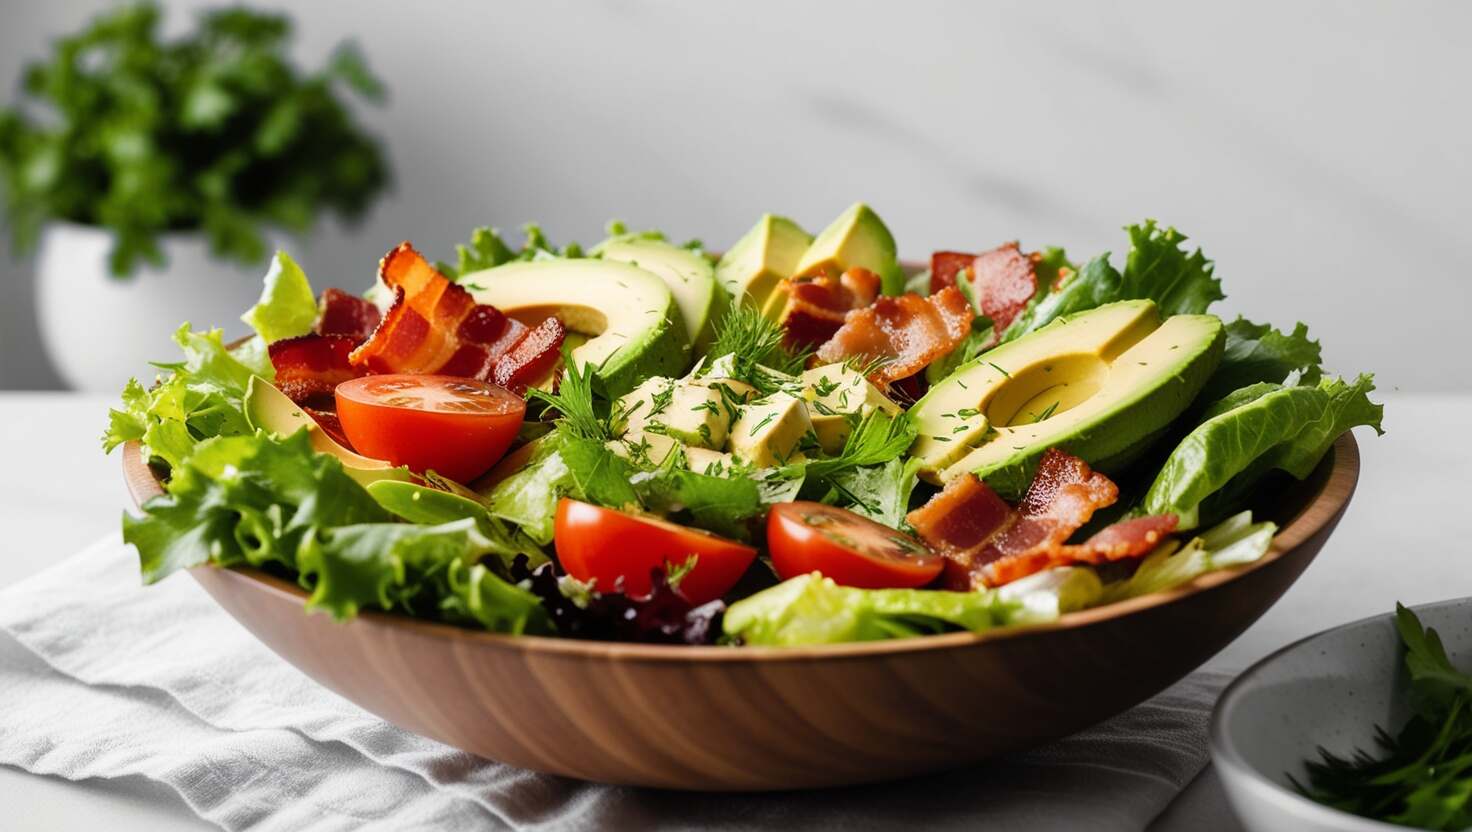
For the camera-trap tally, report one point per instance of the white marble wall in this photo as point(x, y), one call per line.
point(1319, 151)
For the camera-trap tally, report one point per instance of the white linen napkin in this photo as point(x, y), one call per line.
point(104, 678)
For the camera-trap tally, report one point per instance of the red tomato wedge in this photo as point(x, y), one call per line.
point(851, 549)
point(606, 545)
point(457, 427)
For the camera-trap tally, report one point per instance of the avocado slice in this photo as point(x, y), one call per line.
point(634, 326)
point(268, 409)
point(1099, 385)
point(691, 278)
point(857, 238)
point(763, 257)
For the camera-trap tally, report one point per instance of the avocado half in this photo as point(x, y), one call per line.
point(1098, 385)
point(269, 409)
point(634, 327)
point(690, 277)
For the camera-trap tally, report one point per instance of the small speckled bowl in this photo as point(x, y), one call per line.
point(1328, 690)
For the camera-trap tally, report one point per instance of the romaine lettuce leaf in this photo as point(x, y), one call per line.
point(1254, 430)
point(202, 397)
point(1258, 353)
point(1043, 596)
point(434, 506)
point(811, 609)
point(1157, 268)
point(1235, 541)
point(288, 307)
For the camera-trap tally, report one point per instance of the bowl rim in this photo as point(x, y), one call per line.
point(1224, 752)
point(1335, 492)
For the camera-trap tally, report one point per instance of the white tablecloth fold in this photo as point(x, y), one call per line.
point(103, 678)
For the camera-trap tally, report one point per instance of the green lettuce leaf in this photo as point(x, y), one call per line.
point(1258, 353)
point(528, 498)
point(811, 609)
point(288, 307)
point(719, 504)
point(487, 250)
point(879, 492)
point(1044, 596)
point(254, 500)
point(1252, 431)
point(201, 397)
point(435, 506)
point(1157, 268)
point(1233, 542)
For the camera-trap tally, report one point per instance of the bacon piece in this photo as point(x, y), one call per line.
point(310, 367)
point(1003, 280)
point(435, 326)
point(1125, 539)
point(347, 314)
point(532, 358)
point(908, 331)
point(945, 265)
point(972, 527)
point(818, 304)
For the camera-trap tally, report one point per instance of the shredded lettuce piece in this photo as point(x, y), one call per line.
point(1044, 596)
point(202, 397)
point(1252, 431)
point(1233, 542)
point(288, 306)
point(487, 250)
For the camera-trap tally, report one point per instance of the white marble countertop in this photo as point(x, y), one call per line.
point(1404, 538)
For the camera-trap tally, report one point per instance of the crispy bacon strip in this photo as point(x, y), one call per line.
point(908, 331)
point(532, 358)
point(1125, 539)
point(310, 367)
point(1003, 279)
point(989, 543)
point(435, 326)
point(343, 313)
point(818, 304)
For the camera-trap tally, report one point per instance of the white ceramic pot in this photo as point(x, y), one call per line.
point(102, 330)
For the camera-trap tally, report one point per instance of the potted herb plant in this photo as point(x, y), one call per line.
point(153, 178)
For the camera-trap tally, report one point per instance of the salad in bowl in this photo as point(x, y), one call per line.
point(802, 441)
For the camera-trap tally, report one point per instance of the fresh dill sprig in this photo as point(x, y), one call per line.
point(755, 340)
point(876, 439)
point(574, 401)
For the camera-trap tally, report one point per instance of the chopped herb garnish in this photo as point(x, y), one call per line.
point(1046, 413)
point(1000, 370)
point(763, 423)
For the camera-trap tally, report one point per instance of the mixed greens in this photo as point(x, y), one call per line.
point(685, 478)
point(1422, 775)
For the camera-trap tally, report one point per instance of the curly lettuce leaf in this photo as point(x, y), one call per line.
point(288, 307)
point(254, 500)
point(1233, 542)
point(1257, 353)
point(487, 250)
point(1252, 431)
point(1157, 268)
point(201, 397)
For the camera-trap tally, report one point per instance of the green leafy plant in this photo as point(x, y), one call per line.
point(1422, 776)
point(215, 131)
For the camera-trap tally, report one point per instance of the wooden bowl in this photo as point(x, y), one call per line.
point(754, 718)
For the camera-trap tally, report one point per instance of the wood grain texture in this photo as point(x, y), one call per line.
point(771, 718)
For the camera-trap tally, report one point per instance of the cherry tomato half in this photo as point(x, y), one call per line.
point(457, 427)
point(851, 549)
point(605, 544)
